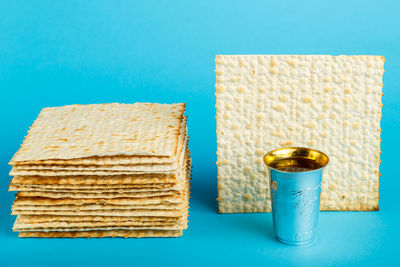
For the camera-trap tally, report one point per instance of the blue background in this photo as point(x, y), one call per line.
point(54, 53)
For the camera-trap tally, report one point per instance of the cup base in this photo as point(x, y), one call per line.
point(295, 243)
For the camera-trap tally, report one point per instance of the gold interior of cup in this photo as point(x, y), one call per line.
point(296, 159)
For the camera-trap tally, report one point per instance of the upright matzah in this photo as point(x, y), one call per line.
point(330, 103)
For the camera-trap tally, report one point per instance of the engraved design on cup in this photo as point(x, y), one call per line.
point(295, 184)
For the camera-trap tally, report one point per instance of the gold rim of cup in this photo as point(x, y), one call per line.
point(278, 155)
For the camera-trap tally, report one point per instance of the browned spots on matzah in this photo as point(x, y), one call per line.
point(316, 101)
point(103, 170)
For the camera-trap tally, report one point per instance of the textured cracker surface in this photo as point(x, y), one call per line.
point(178, 184)
point(175, 223)
point(108, 161)
point(96, 179)
point(77, 131)
point(135, 184)
point(85, 201)
point(56, 195)
point(91, 190)
point(100, 207)
point(108, 228)
point(101, 161)
point(153, 165)
point(27, 172)
point(181, 206)
point(96, 187)
point(180, 189)
point(18, 226)
point(77, 170)
point(110, 233)
point(98, 191)
point(132, 212)
point(116, 168)
point(88, 216)
point(329, 103)
point(60, 219)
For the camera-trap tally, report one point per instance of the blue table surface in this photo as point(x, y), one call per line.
point(54, 53)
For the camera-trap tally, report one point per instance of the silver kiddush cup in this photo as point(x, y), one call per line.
point(295, 185)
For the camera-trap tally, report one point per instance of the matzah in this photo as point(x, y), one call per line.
point(59, 219)
point(96, 187)
point(111, 233)
point(150, 167)
point(103, 170)
point(178, 223)
point(100, 207)
point(132, 212)
point(76, 170)
point(178, 185)
point(111, 160)
point(48, 194)
point(101, 161)
point(329, 103)
point(99, 191)
point(79, 131)
point(126, 228)
point(85, 201)
point(27, 172)
point(94, 226)
point(96, 179)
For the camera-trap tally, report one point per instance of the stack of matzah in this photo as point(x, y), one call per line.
point(103, 170)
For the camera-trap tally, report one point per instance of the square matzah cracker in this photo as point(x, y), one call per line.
point(76, 131)
point(330, 103)
point(109, 233)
